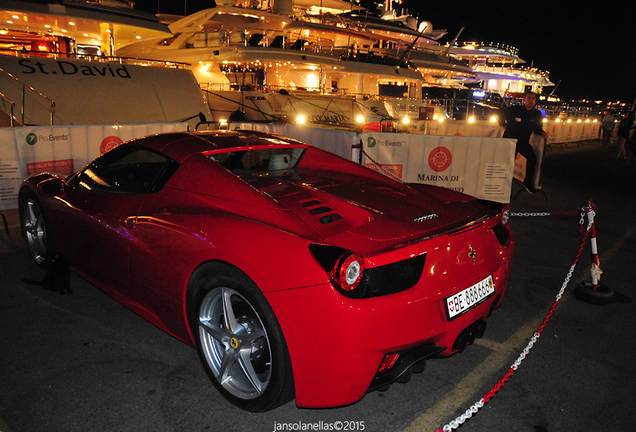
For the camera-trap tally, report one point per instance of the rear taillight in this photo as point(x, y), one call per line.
point(502, 230)
point(348, 271)
point(348, 274)
point(505, 215)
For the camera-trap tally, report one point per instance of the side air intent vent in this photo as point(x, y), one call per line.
point(319, 210)
point(324, 213)
point(330, 218)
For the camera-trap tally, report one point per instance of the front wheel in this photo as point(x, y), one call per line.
point(36, 230)
point(240, 342)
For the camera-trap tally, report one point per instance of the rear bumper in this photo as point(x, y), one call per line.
point(336, 344)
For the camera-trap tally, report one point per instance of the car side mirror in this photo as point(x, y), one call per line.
point(53, 186)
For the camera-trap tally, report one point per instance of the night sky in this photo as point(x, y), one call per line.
point(589, 48)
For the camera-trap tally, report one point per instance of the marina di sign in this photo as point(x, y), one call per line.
point(478, 166)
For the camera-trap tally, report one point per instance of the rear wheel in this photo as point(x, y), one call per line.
point(240, 342)
point(36, 230)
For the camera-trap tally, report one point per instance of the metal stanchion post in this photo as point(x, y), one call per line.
point(593, 292)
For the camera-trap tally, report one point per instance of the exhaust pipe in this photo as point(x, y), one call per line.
point(469, 334)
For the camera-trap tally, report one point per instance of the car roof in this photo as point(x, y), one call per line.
point(181, 145)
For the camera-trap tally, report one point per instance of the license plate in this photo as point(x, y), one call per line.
point(467, 299)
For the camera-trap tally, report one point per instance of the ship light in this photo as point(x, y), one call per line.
point(494, 119)
point(360, 118)
point(301, 119)
point(471, 119)
point(406, 120)
point(222, 124)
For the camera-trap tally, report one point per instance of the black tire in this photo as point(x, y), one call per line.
point(243, 352)
point(36, 229)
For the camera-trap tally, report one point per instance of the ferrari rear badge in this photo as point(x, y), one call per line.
point(471, 253)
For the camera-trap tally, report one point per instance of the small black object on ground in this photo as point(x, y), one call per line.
point(600, 296)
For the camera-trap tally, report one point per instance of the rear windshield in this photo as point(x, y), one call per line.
point(259, 160)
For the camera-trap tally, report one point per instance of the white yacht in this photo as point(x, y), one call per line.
point(57, 67)
point(330, 61)
point(327, 61)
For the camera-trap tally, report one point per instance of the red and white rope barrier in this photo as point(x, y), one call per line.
point(473, 409)
point(595, 271)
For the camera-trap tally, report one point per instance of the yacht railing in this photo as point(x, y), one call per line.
point(12, 107)
point(121, 3)
point(25, 88)
point(268, 88)
point(291, 40)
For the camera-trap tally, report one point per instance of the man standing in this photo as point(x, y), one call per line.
point(607, 126)
point(521, 121)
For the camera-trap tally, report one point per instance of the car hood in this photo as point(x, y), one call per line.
point(371, 209)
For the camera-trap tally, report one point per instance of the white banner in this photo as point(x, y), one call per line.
point(60, 149)
point(558, 131)
point(478, 166)
point(10, 173)
point(571, 131)
point(332, 140)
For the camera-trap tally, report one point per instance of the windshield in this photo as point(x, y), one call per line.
point(259, 160)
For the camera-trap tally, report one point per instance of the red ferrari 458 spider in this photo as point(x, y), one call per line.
point(293, 271)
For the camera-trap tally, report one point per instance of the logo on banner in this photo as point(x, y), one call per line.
point(439, 159)
point(31, 139)
point(371, 142)
point(109, 143)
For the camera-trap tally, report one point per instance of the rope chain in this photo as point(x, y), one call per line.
point(458, 421)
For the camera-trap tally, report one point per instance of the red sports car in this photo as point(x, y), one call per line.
point(293, 271)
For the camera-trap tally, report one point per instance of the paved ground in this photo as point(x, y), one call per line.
point(82, 362)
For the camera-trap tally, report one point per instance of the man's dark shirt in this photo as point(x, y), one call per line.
point(521, 123)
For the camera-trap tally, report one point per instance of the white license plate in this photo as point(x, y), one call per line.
point(465, 300)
